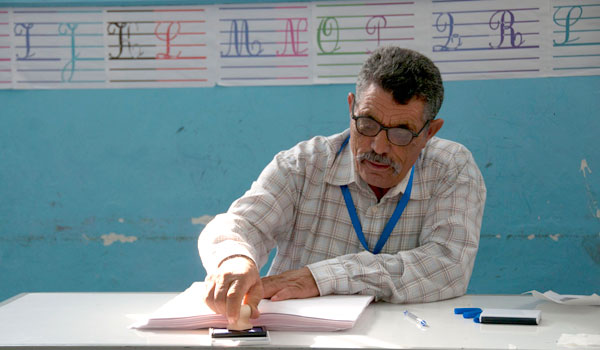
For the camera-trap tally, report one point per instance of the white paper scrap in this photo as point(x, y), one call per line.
point(565, 299)
point(579, 340)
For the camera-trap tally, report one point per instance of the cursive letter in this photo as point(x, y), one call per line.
point(27, 34)
point(239, 39)
point(69, 69)
point(374, 25)
point(441, 27)
point(505, 23)
point(293, 33)
point(168, 36)
point(327, 27)
point(570, 20)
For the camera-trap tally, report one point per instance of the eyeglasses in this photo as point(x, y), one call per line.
point(370, 127)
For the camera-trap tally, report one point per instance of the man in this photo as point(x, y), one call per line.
point(338, 211)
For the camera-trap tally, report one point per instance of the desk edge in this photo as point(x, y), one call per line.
point(13, 298)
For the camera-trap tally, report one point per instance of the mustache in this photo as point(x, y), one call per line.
point(379, 158)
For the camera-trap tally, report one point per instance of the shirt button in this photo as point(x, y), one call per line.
point(374, 209)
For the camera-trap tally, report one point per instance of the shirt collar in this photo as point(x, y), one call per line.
point(342, 171)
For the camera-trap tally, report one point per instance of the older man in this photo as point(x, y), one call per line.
point(384, 208)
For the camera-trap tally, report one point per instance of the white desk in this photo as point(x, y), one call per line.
point(86, 320)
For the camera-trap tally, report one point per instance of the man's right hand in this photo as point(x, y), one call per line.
point(236, 281)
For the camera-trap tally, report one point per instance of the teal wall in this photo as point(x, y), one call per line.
point(143, 163)
point(78, 167)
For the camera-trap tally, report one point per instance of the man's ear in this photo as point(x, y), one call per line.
point(434, 126)
point(350, 99)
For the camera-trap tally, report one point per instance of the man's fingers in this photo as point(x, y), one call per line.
point(285, 294)
point(235, 295)
point(270, 286)
point(276, 290)
point(253, 297)
point(220, 296)
point(292, 284)
point(229, 285)
point(209, 294)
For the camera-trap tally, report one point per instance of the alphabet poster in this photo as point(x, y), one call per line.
point(58, 48)
point(159, 47)
point(502, 38)
point(575, 37)
point(291, 43)
point(345, 34)
point(264, 44)
point(5, 53)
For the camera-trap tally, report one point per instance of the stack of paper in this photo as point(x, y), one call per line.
point(328, 313)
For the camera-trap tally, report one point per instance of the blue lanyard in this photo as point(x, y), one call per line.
point(387, 230)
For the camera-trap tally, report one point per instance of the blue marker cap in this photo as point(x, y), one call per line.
point(469, 312)
point(463, 310)
point(472, 314)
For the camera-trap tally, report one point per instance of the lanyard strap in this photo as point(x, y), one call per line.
point(400, 206)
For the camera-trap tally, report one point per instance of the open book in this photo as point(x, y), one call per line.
point(329, 313)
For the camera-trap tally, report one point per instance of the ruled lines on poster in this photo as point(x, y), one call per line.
point(347, 32)
point(5, 51)
point(488, 39)
point(264, 44)
point(291, 43)
point(575, 37)
point(57, 48)
point(159, 47)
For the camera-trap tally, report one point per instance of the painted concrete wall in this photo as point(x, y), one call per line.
point(107, 190)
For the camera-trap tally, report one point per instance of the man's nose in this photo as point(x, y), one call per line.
point(380, 143)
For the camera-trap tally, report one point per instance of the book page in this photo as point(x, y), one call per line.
point(328, 313)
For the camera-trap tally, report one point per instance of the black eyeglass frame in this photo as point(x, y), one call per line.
point(386, 128)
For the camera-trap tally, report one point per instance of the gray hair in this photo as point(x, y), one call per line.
point(404, 73)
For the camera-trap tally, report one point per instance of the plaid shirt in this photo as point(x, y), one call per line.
point(297, 206)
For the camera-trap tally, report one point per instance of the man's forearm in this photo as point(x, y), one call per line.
point(417, 275)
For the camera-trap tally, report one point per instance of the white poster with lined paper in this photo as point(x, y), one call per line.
point(346, 32)
point(58, 48)
point(264, 44)
point(488, 39)
point(291, 43)
point(575, 37)
point(5, 51)
point(160, 47)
